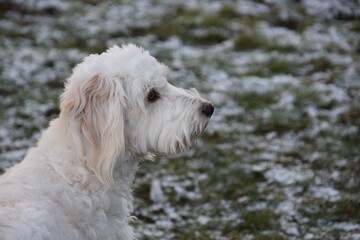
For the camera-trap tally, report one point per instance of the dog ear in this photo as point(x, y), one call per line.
point(93, 111)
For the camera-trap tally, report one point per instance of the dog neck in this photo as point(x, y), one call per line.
point(57, 149)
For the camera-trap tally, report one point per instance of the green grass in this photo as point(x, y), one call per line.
point(259, 220)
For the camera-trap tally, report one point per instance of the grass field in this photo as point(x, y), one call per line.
point(281, 156)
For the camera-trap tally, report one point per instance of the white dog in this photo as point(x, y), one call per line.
point(117, 109)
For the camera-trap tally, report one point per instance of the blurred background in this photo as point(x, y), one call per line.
point(281, 156)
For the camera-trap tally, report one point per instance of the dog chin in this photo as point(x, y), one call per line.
point(181, 146)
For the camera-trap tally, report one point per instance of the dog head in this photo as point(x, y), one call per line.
point(120, 102)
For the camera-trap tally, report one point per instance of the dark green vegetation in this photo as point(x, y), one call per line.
point(280, 158)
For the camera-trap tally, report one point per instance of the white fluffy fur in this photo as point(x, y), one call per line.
point(75, 184)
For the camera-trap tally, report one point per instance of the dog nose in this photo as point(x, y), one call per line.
point(207, 109)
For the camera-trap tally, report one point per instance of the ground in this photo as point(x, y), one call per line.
point(280, 158)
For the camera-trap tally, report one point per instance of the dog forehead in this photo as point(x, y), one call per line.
point(159, 82)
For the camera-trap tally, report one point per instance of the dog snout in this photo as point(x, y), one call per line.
point(207, 109)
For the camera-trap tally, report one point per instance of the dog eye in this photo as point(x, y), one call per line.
point(153, 95)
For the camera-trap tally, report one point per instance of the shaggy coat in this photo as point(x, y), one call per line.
point(117, 109)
